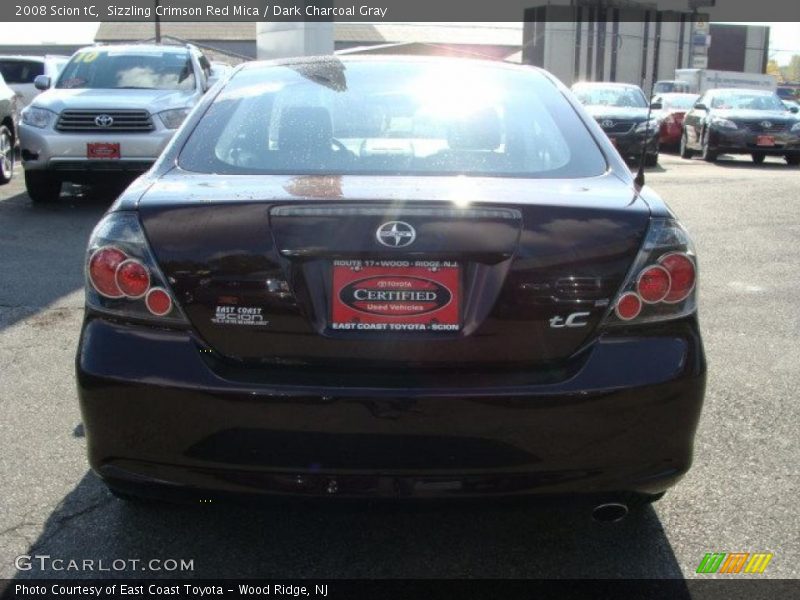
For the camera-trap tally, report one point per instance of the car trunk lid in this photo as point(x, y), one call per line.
point(272, 269)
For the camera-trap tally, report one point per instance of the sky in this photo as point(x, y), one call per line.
point(784, 37)
point(784, 40)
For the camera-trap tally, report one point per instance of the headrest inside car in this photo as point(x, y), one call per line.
point(481, 130)
point(307, 128)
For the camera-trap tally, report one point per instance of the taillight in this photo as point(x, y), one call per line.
point(122, 276)
point(102, 270)
point(628, 306)
point(653, 284)
point(662, 282)
point(683, 275)
point(133, 278)
point(158, 301)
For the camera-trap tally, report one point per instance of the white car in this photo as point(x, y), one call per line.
point(109, 114)
point(19, 73)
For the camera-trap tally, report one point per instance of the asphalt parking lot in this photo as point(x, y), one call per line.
point(740, 496)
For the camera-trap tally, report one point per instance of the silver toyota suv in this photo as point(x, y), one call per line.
point(109, 114)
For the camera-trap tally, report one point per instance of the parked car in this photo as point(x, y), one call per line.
point(621, 110)
point(734, 121)
point(391, 276)
point(8, 131)
point(673, 86)
point(21, 71)
point(789, 91)
point(673, 110)
point(109, 115)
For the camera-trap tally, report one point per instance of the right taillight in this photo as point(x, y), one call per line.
point(662, 283)
point(122, 277)
point(682, 273)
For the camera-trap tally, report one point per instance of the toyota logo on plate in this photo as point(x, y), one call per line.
point(766, 124)
point(396, 234)
point(607, 124)
point(104, 120)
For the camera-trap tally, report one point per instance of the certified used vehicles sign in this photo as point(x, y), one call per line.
point(396, 295)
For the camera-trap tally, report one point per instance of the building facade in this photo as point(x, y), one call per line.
point(636, 45)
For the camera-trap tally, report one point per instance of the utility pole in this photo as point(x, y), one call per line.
point(158, 22)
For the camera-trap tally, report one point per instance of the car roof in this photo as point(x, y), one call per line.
point(33, 58)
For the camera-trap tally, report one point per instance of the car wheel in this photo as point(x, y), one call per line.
point(792, 159)
point(685, 152)
point(708, 154)
point(6, 155)
point(651, 160)
point(758, 157)
point(42, 186)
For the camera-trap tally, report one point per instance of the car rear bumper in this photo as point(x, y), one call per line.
point(46, 149)
point(746, 142)
point(161, 416)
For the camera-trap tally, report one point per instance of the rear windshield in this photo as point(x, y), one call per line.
point(20, 71)
point(393, 118)
point(617, 96)
point(129, 69)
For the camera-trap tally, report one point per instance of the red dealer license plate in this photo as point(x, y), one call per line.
point(396, 295)
point(102, 150)
point(765, 140)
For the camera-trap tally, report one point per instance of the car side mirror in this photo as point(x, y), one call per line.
point(794, 109)
point(42, 82)
point(700, 106)
point(656, 105)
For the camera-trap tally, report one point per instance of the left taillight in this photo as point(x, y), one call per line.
point(122, 277)
point(662, 283)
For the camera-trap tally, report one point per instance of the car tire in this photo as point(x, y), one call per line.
point(651, 160)
point(6, 155)
point(792, 159)
point(758, 157)
point(684, 148)
point(708, 154)
point(42, 186)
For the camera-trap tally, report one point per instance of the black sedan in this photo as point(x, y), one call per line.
point(622, 111)
point(8, 129)
point(734, 121)
point(391, 277)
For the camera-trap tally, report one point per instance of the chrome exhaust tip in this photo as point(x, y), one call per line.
point(611, 512)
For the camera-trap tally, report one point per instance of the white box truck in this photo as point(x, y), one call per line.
point(701, 80)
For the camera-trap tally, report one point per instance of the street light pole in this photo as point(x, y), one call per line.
point(158, 22)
